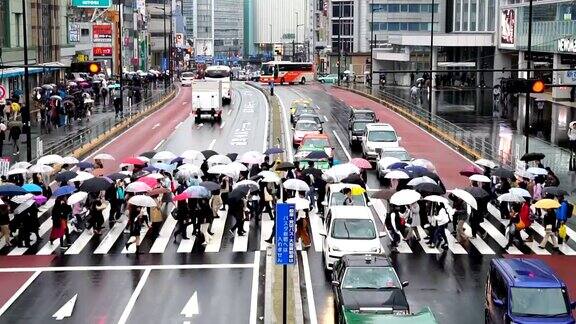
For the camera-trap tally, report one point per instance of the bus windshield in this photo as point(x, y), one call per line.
point(216, 74)
point(267, 69)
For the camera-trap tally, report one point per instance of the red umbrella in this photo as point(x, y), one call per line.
point(157, 191)
point(471, 170)
point(182, 196)
point(361, 163)
point(133, 160)
point(151, 182)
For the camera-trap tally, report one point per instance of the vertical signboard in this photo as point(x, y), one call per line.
point(508, 28)
point(102, 33)
point(285, 234)
point(179, 40)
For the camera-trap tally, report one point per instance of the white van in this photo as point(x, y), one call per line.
point(378, 136)
point(186, 79)
point(349, 230)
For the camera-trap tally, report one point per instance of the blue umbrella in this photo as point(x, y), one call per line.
point(11, 190)
point(274, 150)
point(85, 165)
point(164, 166)
point(150, 169)
point(197, 192)
point(31, 187)
point(65, 190)
point(397, 165)
point(416, 170)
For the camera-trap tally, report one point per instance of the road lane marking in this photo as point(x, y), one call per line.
point(266, 122)
point(325, 118)
point(184, 102)
point(316, 225)
point(254, 293)
point(241, 242)
point(49, 248)
point(159, 144)
point(222, 125)
point(132, 267)
point(211, 146)
point(286, 132)
point(111, 237)
point(44, 228)
point(21, 290)
point(155, 126)
point(309, 292)
point(191, 308)
point(66, 309)
point(342, 145)
point(178, 126)
point(163, 238)
point(134, 297)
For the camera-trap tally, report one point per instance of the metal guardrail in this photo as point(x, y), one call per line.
point(85, 135)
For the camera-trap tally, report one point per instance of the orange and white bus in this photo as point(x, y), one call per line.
point(287, 72)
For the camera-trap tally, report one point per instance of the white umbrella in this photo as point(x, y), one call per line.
point(251, 157)
point(218, 159)
point(386, 161)
point(190, 169)
point(138, 186)
point(437, 199)
point(81, 176)
point(269, 176)
point(21, 165)
point(22, 198)
point(143, 201)
point(143, 159)
point(164, 155)
point(239, 167)
point(537, 171)
point(70, 160)
point(222, 169)
point(296, 185)
point(424, 163)
point(466, 197)
point(341, 171)
point(250, 183)
point(23, 206)
point(50, 159)
point(40, 168)
point(155, 176)
point(520, 192)
point(192, 155)
point(299, 203)
point(479, 178)
point(510, 197)
point(419, 180)
point(77, 197)
point(486, 163)
point(104, 156)
point(397, 174)
point(17, 171)
point(405, 197)
point(524, 174)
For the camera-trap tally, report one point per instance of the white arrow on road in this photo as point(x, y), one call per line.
point(191, 307)
point(155, 126)
point(66, 310)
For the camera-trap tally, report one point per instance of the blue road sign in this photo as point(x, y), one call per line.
point(164, 66)
point(285, 234)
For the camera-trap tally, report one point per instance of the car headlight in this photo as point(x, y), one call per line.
point(400, 312)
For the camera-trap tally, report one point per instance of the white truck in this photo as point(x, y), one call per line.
point(207, 100)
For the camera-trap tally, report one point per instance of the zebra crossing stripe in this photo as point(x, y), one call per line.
point(111, 237)
point(564, 248)
point(218, 229)
point(499, 237)
point(132, 248)
point(478, 243)
point(80, 242)
point(316, 226)
point(241, 242)
point(380, 210)
point(454, 245)
point(266, 225)
point(186, 246)
point(164, 236)
point(423, 244)
point(49, 248)
point(44, 228)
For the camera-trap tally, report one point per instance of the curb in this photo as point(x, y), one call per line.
point(124, 125)
point(447, 138)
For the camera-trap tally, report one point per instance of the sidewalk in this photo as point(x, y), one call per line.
point(103, 116)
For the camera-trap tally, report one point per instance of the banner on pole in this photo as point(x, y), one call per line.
point(285, 234)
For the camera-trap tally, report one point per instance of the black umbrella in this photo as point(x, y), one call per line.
point(118, 176)
point(427, 189)
point(317, 155)
point(96, 184)
point(148, 154)
point(232, 156)
point(10, 189)
point(208, 153)
point(210, 185)
point(354, 179)
point(285, 166)
point(140, 174)
point(532, 157)
point(502, 173)
point(555, 191)
point(239, 193)
point(316, 173)
point(65, 176)
point(477, 192)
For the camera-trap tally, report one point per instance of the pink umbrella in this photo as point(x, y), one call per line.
point(471, 170)
point(151, 182)
point(361, 163)
point(182, 196)
point(40, 200)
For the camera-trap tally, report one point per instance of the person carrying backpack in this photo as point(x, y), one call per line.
point(563, 213)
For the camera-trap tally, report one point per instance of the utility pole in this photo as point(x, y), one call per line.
point(371, 42)
point(339, 38)
point(528, 65)
point(121, 72)
point(431, 60)
point(26, 110)
point(165, 49)
point(171, 46)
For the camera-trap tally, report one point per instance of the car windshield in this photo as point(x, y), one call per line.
point(316, 142)
point(267, 69)
point(306, 127)
point(382, 136)
point(313, 118)
point(370, 278)
point(353, 229)
point(359, 126)
point(187, 75)
point(539, 301)
point(364, 115)
point(338, 199)
point(402, 155)
point(217, 74)
point(304, 110)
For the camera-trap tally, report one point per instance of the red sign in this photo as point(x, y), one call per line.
point(102, 33)
point(102, 51)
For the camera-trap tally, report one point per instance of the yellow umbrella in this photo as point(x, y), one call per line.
point(547, 204)
point(356, 191)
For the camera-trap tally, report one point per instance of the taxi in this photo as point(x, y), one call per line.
point(316, 142)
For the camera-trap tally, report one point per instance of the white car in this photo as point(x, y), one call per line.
point(335, 197)
point(388, 154)
point(378, 136)
point(349, 230)
point(186, 79)
point(303, 128)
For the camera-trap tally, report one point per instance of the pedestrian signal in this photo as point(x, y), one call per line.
point(537, 86)
point(523, 85)
point(86, 67)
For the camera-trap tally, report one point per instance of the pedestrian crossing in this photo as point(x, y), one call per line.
point(112, 240)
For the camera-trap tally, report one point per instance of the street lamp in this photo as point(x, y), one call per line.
point(26, 110)
point(166, 80)
point(372, 40)
point(271, 45)
point(296, 37)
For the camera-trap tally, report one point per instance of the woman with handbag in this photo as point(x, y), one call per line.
point(550, 228)
point(156, 217)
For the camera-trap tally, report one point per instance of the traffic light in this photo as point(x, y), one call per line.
point(523, 85)
point(86, 67)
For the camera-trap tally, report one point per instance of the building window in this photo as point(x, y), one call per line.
point(458, 15)
point(393, 26)
point(18, 25)
point(413, 8)
point(491, 15)
point(403, 8)
point(393, 7)
point(3, 13)
point(84, 32)
point(465, 13)
point(473, 4)
point(481, 15)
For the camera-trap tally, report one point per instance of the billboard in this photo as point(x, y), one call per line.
point(179, 40)
point(102, 33)
point(204, 47)
point(508, 28)
point(91, 3)
point(101, 51)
